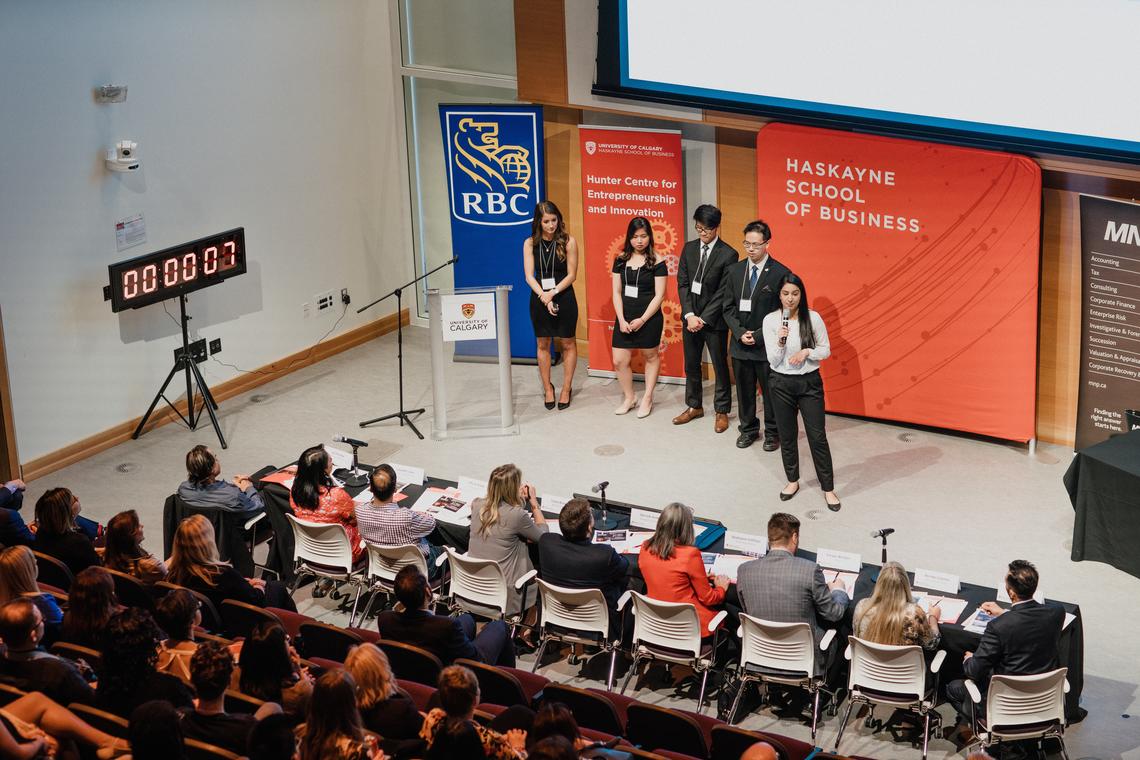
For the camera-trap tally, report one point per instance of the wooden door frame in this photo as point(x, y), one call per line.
point(9, 456)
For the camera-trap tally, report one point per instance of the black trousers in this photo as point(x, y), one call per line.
point(694, 344)
point(748, 373)
point(803, 394)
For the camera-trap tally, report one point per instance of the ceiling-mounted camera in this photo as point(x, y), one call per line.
point(123, 157)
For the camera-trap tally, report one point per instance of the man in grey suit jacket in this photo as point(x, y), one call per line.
point(784, 588)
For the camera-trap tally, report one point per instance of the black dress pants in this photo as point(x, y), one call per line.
point(748, 373)
point(694, 344)
point(803, 394)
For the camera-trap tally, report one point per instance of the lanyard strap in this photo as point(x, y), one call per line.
point(542, 257)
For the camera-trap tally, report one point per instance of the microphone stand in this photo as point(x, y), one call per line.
point(875, 573)
point(605, 523)
point(354, 478)
point(403, 415)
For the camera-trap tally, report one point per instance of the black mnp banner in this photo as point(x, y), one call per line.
point(1109, 397)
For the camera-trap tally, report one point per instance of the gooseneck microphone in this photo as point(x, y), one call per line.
point(600, 486)
point(882, 533)
point(786, 314)
point(349, 441)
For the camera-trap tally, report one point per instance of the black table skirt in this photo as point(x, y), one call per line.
point(1103, 482)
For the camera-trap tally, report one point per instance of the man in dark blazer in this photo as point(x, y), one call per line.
point(12, 494)
point(1023, 640)
point(447, 638)
point(699, 274)
point(749, 291)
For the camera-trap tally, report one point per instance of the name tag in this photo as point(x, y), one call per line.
point(695, 288)
point(745, 304)
point(548, 283)
point(631, 291)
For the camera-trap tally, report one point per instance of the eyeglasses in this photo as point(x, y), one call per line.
point(702, 230)
point(754, 246)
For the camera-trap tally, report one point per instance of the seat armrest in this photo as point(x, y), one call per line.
point(936, 663)
point(623, 600)
point(972, 690)
point(253, 520)
point(847, 653)
point(1066, 685)
point(717, 620)
point(441, 559)
point(525, 579)
point(825, 642)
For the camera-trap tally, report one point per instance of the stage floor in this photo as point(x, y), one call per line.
point(958, 504)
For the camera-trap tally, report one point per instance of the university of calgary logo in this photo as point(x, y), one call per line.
point(468, 310)
point(493, 165)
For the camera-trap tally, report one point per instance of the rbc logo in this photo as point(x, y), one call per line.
point(492, 162)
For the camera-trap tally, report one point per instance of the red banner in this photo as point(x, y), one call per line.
point(628, 173)
point(922, 260)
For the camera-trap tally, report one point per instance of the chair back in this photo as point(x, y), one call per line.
point(9, 693)
point(196, 750)
point(242, 704)
point(668, 625)
point(239, 618)
point(385, 561)
point(328, 641)
point(211, 619)
point(591, 710)
point(53, 572)
point(656, 728)
point(895, 672)
point(420, 693)
point(410, 663)
point(108, 723)
point(780, 646)
point(1015, 701)
point(69, 651)
point(497, 686)
point(731, 742)
point(322, 544)
point(477, 585)
point(130, 591)
point(579, 610)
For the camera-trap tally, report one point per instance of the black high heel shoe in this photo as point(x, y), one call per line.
point(550, 404)
point(569, 398)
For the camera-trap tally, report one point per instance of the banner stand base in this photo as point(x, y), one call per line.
point(610, 374)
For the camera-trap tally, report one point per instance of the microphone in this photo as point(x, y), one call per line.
point(600, 486)
point(349, 441)
point(882, 533)
point(786, 314)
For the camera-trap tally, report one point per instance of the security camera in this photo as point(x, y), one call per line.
point(123, 157)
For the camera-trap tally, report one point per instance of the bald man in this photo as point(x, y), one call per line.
point(760, 751)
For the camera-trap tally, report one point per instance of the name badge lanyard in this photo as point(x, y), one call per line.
point(698, 284)
point(547, 283)
point(637, 278)
point(748, 301)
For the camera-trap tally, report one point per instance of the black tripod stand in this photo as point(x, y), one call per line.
point(403, 415)
point(185, 363)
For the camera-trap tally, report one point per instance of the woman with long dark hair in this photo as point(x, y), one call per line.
point(796, 344)
point(57, 533)
point(550, 261)
point(124, 551)
point(127, 676)
point(90, 605)
point(638, 290)
point(270, 671)
point(315, 497)
point(333, 727)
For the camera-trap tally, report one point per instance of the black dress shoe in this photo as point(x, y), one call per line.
point(788, 496)
point(550, 404)
point(834, 507)
point(745, 440)
point(569, 398)
point(771, 443)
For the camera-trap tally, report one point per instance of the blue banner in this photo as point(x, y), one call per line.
point(495, 177)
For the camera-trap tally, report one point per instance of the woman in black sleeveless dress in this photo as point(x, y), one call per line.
point(550, 260)
point(638, 289)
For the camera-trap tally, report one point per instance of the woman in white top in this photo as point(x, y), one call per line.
point(796, 342)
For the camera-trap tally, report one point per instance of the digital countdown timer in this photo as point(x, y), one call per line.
point(176, 271)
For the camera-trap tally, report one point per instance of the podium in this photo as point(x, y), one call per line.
point(464, 398)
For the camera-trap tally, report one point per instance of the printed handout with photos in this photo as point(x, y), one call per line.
point(444, 504)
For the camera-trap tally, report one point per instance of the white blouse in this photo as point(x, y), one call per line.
point(778, 355)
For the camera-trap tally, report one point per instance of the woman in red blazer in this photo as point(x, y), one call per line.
point(673, 569)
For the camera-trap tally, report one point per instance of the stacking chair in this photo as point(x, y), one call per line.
point(894, 676)
point(779, 653)
point(479, 587)
point(1022, 707)
point(383, 564)
point(671, 632)
point(131, 592)
point(577, 616)
point(322, 550)
point(657, 728)
point(53, 572)
point(240, 618)
point(591, 709)
point(328, 641)
point(211, 619)
point(108, 723)
point(411, 663)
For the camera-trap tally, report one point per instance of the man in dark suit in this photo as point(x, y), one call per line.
point(12, 494)
point(699, 274)
point(750, 290)
point(1023, 640)
point(447, 638)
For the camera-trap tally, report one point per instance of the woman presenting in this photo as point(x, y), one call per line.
point(638, 289)
point(796, 342)
point(550, 260)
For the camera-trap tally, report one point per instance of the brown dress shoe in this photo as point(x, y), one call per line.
point(721, 423)
point(688, 415)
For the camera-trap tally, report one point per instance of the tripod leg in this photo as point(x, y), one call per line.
point(405, 417)
point(202, 387)
point(153, 404)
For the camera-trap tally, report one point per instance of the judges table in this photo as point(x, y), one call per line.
point(956, 640)
point(1103, 482)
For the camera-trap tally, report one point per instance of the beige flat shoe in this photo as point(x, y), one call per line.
point(625, 407)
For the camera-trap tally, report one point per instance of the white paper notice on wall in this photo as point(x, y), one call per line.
point(467, 316)
point(838, 560)
point(552, 503)
point(745, 543)
point(643, 518)
point(935, 581)
point(130, 232)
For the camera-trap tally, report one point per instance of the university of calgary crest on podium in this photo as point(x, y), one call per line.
point(468, 310)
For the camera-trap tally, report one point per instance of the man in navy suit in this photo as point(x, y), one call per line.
point(13, 531)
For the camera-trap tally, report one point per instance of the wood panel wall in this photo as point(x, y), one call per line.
point(9, 457)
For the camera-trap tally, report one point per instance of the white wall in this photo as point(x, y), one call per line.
point(275, 115)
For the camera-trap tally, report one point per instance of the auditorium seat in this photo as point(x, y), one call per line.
point(323, 640)
point(239, 618)
point(323, 664)
point(9, 694)
point(507, 686)
point(290, 621)
point(656, 728)
point(411, 663)
point(53, 572)
point(729, 741)
point(211, 618)
point(130, 591)
point(196, 750)
point(108, 723)
point(591, 709)
point(420, 693)
point(242, 704)
point(67, 650)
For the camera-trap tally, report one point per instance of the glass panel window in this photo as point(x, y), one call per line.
point(475, 36)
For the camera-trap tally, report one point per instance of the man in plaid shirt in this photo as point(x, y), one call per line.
point(381, 521)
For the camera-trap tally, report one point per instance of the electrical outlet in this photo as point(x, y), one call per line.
point(324, 300)
point(215, 346)
point(344, 297)
point(306, 310)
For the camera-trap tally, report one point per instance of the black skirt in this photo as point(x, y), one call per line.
point(562, 325)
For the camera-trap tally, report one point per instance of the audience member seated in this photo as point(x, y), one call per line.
point(18, 573)
point(554, 748)
point(384, 708)
point(314, 497)
point(124, 552)
point(35, 726)
point(176, 614)
point(90, 604)
point(270, 670)
point(333, 728)
point(203, 490)
point(272, 738)
point(1020, 641)
point(155, 732)
point(450, 731)
point(57, 534)
point(554, 719)
point(760, 751)
point(890, 615)
point(13, 530)
point(446, 637)
point(211, 668)
point(502, 522)
point(24, 663)
point(12, 494)
point(784, 588)
point(195, 564)
point(673, 569)
point(382, 521)
point(128, 676)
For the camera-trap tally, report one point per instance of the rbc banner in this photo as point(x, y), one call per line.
point(628, 173)
point(495, 177)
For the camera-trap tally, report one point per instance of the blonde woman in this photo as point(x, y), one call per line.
point(890, 615)
point(502, 522)
point(195, 564)
point(18, 578)
point(385, 709)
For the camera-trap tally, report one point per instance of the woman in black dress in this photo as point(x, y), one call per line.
point(638, 289)
point(550, 260)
